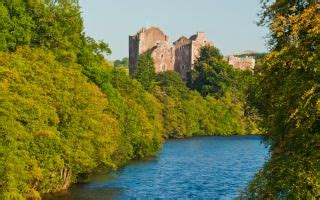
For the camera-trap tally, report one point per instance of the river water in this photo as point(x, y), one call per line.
point(195, 168)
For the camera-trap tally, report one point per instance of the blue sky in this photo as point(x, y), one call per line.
point(229, 24)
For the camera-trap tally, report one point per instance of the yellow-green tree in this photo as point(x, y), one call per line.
point(53, 125)
point(290, 80)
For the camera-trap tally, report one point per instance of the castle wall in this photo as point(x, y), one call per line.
point(182, 48)
point(151, 39)
point(163, 57)
point(199, 40)
point(133, 53)
point(247, 63)
point(180, 57)
point(187, 51)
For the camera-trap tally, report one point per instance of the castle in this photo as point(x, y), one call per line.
point(242, 63)
point(180, 57)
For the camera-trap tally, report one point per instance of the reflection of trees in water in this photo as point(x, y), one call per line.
point(79, 193)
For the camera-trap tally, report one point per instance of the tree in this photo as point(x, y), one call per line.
point(145, 70)
point(54, 24)
point(178, 108)
point(53, 125)
point(272, 10)
point(290, 80)
point(211, 74)
point(124, 62)
point(16, 24)
point(172, 83)
point(91, 52)
point(207, 52)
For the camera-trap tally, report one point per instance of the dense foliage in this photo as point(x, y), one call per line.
point(290, 83)
point(234, 89)
point(65, 111)
point(52, 123)
point(211, 74)
point(187, 113)
point(56, 25)
point(145, 70)
point(124, 62)
point(137, 112)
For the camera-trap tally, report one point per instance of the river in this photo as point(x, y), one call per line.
point(195, 168)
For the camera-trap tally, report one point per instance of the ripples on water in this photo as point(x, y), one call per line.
point(196, 168)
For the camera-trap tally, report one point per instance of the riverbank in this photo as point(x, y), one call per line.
point(204, 136)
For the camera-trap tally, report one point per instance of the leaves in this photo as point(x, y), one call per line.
point(290, 80)
point(145, 70)
point(51, 119)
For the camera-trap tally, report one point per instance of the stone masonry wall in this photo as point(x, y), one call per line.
point(180, 57)
point(247, 63)
point(150, 39)
point(182, 49)
point(163, 57)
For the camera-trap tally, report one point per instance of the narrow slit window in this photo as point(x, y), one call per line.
point(164, 68)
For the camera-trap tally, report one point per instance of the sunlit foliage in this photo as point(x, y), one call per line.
point(290, 81)
point(53, 124)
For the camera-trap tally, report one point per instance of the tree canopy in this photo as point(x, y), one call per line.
point(289, 78)
point(54, 24)
point(52, 122)
point(122, 63)
point(145, 70)
point(211, 75)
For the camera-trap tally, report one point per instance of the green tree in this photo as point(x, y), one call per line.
point(145, 70)
point(174, 94)
point(54, 127)
point(137, 112)
point(122, 63)
point(289, 78)
point(91, 53)
point(211, 74)
point(234, 91)
point(54, 24)
point(172, 84)
point(16, 24)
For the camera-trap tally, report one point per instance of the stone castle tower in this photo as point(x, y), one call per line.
point(180, 57)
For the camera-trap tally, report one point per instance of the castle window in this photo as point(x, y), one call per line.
point(183, 67)
point(161, 56)
point(164, 68)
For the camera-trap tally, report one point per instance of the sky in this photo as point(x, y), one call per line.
point(229, 24)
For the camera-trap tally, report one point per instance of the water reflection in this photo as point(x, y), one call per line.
point(85, 193)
